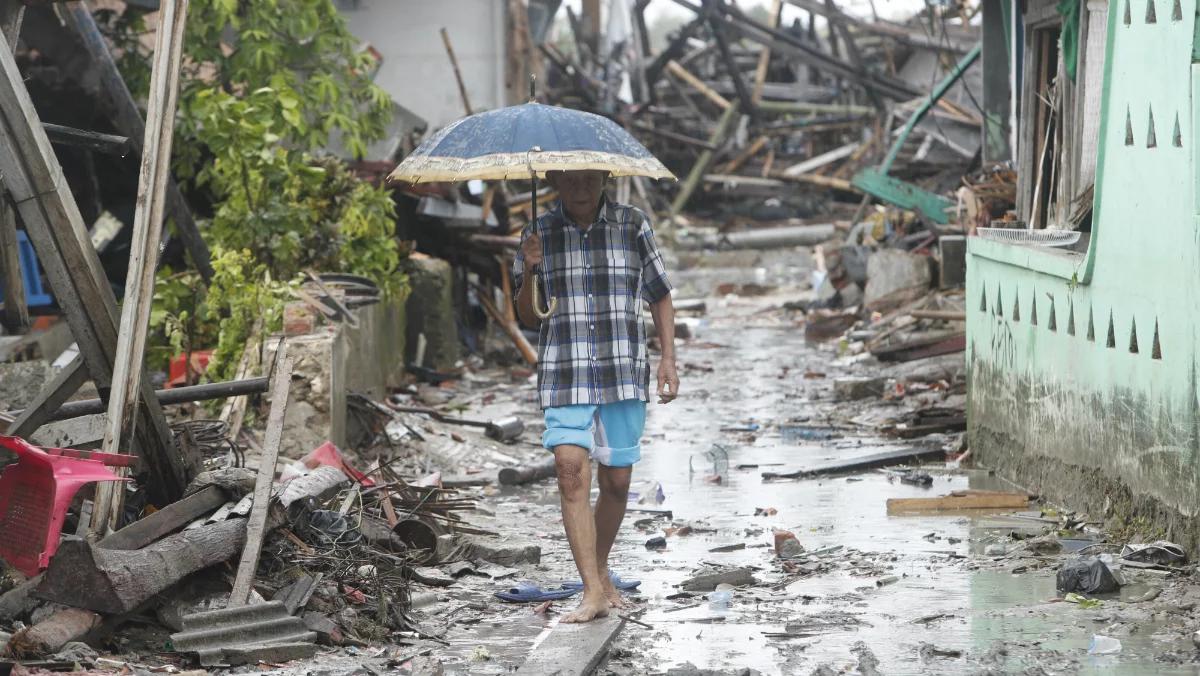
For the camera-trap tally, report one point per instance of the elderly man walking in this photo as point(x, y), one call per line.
point(600, 260)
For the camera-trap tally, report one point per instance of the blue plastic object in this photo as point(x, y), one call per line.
point(31, 274)
point(526, 592)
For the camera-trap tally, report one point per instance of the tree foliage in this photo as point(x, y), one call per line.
point(265, 84)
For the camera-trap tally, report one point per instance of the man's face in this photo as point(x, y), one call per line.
point(579, 190)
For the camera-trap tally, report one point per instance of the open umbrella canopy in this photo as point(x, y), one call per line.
point(516, 141)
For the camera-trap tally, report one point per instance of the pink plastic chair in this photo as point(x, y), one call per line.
point(35, 494)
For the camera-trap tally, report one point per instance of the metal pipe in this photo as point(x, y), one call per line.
point(178, 395)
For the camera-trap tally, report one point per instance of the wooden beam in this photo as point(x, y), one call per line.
point(510, 328)
point(61, 388)
point(109, 144)
point(104, 82)
point(462, 88)
point(696, 83)
point(167, 520)
point(143, 253)
point(764, 57)
point(964, 500)
point(711, 8)
point(724, 126)
point(11, 14)
point(35, 180)
point(256, 525)
point(16, 312)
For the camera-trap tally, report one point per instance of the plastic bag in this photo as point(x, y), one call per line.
point(1086, 575)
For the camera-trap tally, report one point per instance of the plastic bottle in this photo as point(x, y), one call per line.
point(1104, 645)
point(720, 598)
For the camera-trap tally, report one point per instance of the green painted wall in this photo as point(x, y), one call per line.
point(1059, 395)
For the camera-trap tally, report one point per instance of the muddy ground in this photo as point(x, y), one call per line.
point(938, 593)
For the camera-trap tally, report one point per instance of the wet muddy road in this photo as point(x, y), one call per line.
point(937, 593)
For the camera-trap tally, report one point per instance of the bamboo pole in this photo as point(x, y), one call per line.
point(764, 57)
point(704, 160)
point(462, 89)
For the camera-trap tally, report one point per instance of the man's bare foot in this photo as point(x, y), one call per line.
point(614, 595)
point(590, 608)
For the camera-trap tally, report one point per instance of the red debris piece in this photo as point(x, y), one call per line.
point(328, 454)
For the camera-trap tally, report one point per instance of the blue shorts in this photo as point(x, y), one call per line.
point(612, 433)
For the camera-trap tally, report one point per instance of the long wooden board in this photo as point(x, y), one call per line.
point(948, 503)
point(572, 649)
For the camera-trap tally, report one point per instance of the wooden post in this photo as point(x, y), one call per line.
point(143, 254)
point(104, 82)
point(701, 166)
point(462, 89)
point(35, 180)
point(711, 8)
point(510, 328)
point(764, 57)
point(11, 14)
point(256, 526)
point(16, 312)
point(66, 383)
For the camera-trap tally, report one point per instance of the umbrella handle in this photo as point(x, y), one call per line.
point(537, 301)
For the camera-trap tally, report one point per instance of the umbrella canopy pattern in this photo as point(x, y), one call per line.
point(516, 141)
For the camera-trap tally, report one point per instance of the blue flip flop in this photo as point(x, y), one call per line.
point(623, 585)
point(527, 592)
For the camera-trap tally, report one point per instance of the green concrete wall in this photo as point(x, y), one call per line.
point(1063, 397)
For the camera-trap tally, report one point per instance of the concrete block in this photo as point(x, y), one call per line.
point(431, 310)
point(853, 389)
point(895, 278)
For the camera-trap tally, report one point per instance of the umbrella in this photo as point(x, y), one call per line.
point(531, 138)
point(528, 140)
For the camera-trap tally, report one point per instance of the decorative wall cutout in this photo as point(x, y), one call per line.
point(1091, 334)
point(1176, 136)
point(1151, 138)
point(1151, 16)
point(1156, 349)
point(1071, 319)
point(1053, 318)
point(1128, 19)
point(1133, 343)
point(1128, 127)
point(999, 302)
point(1017, 307)
point(1033, 310)
point(1177, 11)
point(983, 299)
point(1111, 341)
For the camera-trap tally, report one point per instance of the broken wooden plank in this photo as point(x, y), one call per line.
point(109, 144)
point(696, 83)
point(510, 328)
point(143, 255)
point(16, 311)
point(764, 57)
point(921, 348)
point(572, 649)
point(167, 520)
point(818, 161)
point(863, 463)
point(34, 178)
point(257, 524)
point(52, 395)
point(983, 500)
point(724, 127)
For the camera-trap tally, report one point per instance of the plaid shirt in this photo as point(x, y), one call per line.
point(592, 350)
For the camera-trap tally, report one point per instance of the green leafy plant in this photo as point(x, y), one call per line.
point(265, 84)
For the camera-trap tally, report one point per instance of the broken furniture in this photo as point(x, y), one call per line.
point(35, 494)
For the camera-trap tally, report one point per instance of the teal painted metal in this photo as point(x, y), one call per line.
point(876, 182)
point(1083, 367)
point(903, 194)
point(934, 96)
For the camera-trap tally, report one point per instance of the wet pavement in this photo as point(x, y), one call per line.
point(934, 593)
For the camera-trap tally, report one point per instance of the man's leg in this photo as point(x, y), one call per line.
point(574, 489)
point(610, 511)
point(618, 436)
